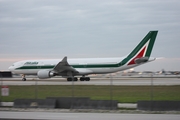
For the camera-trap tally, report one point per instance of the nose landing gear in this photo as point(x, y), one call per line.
point(23, 78)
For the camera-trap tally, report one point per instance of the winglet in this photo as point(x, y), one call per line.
point(63, 62)
point(64, 59)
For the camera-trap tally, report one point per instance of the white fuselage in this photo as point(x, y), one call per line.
point(31, 67)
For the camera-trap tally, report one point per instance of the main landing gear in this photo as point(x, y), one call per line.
point(84, 79)
point(76, 79)
point(72, 79)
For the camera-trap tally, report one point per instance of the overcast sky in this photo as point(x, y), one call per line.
point(37, 29)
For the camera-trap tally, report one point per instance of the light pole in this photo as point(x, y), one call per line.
point(111, 91)
point(36, 88)
point(1, 89)
point(152, 91)
point(152, 88)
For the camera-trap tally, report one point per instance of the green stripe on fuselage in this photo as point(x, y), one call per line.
point(96, 66)
point(35, 67)
point(74, 66)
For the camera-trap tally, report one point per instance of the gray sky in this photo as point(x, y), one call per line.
point(36, 29)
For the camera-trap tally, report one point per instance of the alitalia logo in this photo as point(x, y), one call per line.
point(31, 63)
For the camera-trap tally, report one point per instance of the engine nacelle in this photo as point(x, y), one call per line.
point(43, 74)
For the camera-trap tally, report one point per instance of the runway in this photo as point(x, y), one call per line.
point(94, 81)
point(84, 116)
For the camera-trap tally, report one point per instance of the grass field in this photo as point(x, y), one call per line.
point(124, 94)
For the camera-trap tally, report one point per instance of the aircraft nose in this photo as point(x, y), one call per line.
point(11, 68)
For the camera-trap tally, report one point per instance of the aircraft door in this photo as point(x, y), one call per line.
point(84, 65)
point(39, 65)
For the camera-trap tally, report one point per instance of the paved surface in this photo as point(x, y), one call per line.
point(94, 81)
point(86, 116)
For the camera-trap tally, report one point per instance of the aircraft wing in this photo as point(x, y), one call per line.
point(63, 66)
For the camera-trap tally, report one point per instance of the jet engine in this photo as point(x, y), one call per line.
point(43, 74)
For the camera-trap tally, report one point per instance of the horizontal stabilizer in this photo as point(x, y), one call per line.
point(141, 60)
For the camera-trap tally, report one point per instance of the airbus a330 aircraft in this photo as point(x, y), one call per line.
point(69, 68)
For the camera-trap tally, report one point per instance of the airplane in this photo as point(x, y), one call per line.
point(70, 68)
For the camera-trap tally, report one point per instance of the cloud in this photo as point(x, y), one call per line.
point(91, 28)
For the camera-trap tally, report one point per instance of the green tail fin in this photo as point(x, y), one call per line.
point(142, 50)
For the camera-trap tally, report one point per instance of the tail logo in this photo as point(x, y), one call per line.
point(138, 56)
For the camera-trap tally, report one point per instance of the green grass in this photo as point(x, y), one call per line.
point(127, 94)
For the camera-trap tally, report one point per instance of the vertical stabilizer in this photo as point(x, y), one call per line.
point(143, 50)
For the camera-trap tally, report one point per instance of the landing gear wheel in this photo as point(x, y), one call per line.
point(23, 79)
point(84, 79)
point(75, 79)
point(72, 79)
point(87, 78)
point(69, 79)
